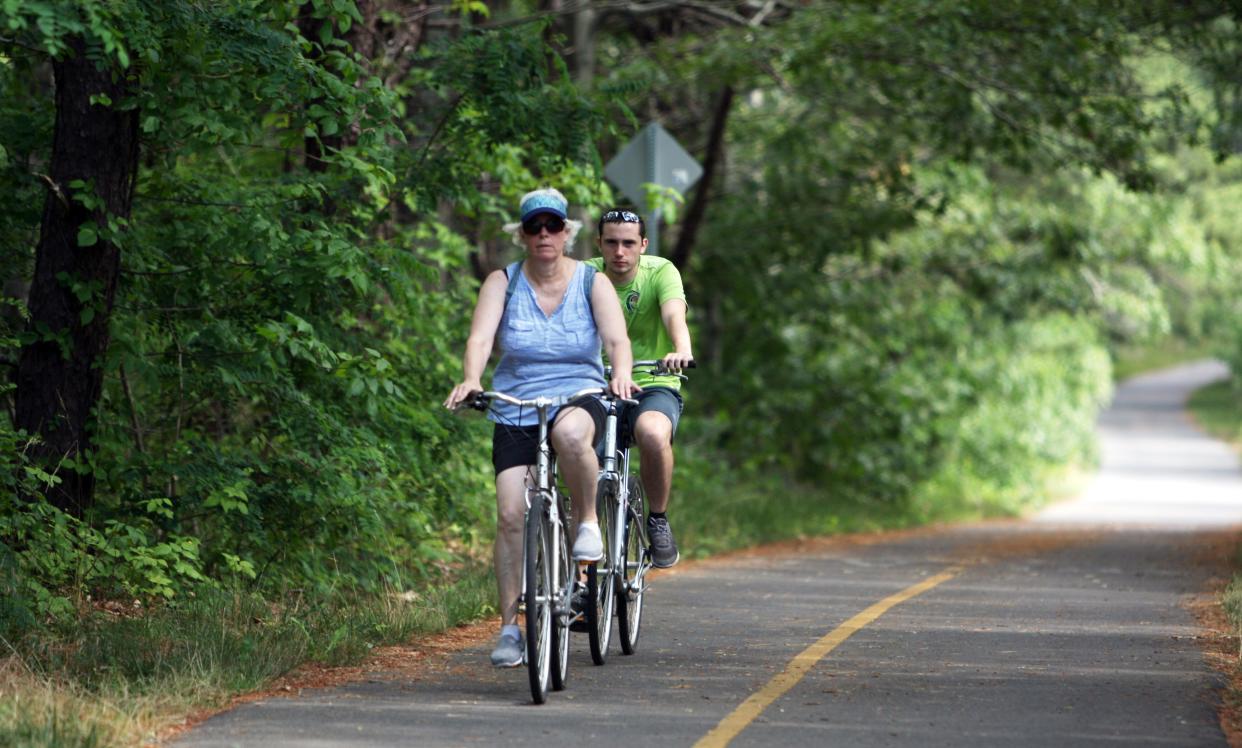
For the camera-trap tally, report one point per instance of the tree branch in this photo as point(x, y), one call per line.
point(712, 11)
point(20, 45)
point(133, 411)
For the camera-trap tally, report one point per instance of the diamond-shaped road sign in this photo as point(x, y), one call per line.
point(652, 156)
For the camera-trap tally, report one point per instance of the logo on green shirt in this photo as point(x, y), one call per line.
point(631, 302)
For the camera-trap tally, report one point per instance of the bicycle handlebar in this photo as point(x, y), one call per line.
point(659, 366)
point(481, 400)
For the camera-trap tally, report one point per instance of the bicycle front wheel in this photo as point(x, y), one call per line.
point(632, 571)
point(563, 583)
point(538, 598)
point(601, 589)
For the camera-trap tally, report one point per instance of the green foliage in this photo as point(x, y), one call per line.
point(929, 241)
point(284, 325)
point(1043, 382)
point(924, 237)
point(927, 236)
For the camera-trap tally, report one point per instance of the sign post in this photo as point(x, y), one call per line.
point(652, 157)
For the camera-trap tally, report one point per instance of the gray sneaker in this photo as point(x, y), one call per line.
point(508, 652)
point(663, 548)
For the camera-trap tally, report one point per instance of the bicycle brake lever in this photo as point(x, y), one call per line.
point(475, 401)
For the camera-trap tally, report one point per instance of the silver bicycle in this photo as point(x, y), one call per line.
point(547, 571)
point(615, 585)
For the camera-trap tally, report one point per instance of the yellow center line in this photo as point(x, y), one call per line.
point(739, 718)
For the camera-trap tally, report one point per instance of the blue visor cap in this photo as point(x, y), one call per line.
point(536, 204)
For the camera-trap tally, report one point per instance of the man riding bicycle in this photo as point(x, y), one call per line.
point(654, 304)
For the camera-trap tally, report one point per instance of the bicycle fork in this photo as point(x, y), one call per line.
point(636, 568)
point(615, 477)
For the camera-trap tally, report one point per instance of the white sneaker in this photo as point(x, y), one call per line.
point(588, 546)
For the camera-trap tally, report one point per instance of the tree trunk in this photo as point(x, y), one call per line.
point(60, 374)
point(680, 255)
point(583, 59)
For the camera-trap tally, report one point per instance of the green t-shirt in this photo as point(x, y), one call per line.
point(656, 282)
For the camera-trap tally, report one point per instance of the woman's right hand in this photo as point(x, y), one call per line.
point(461, 392)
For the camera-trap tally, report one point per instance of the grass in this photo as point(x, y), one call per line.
point(1217, 409)
point(1136, 359)
point(115, 680)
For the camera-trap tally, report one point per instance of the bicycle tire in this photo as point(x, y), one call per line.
point(601, 586)
point(633, 570)
point(562, 582)
point(538, 599)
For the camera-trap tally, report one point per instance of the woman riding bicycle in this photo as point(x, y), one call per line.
point(549, 329)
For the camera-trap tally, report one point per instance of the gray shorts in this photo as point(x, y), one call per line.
point(660, 399)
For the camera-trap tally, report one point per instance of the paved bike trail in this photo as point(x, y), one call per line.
point(1067, 629)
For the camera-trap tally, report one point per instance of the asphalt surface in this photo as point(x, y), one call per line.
point(1066, 629)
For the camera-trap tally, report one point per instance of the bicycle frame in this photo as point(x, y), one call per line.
point(617, 472)
point(544, 490)
point(616, 475)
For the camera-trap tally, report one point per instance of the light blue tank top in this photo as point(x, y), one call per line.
point(546, 355)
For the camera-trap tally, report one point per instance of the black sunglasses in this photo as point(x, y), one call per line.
point(553, 224)
point(620, 216)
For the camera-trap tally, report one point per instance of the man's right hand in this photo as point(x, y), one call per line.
point(674, 362)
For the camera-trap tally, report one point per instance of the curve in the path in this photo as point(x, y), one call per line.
point(1158, 469)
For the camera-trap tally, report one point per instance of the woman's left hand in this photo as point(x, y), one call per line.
point(622, 385)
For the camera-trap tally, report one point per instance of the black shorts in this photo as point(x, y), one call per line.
point(519, 445)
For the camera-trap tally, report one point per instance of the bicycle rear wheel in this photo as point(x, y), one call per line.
point(632, 572)
point(538, 599)
point(563, 584)
point(601, 587)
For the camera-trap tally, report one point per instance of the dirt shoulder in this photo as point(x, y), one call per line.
point(1220, 642)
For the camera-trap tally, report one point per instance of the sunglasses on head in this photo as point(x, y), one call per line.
point(553, 224)
point(620, 216)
